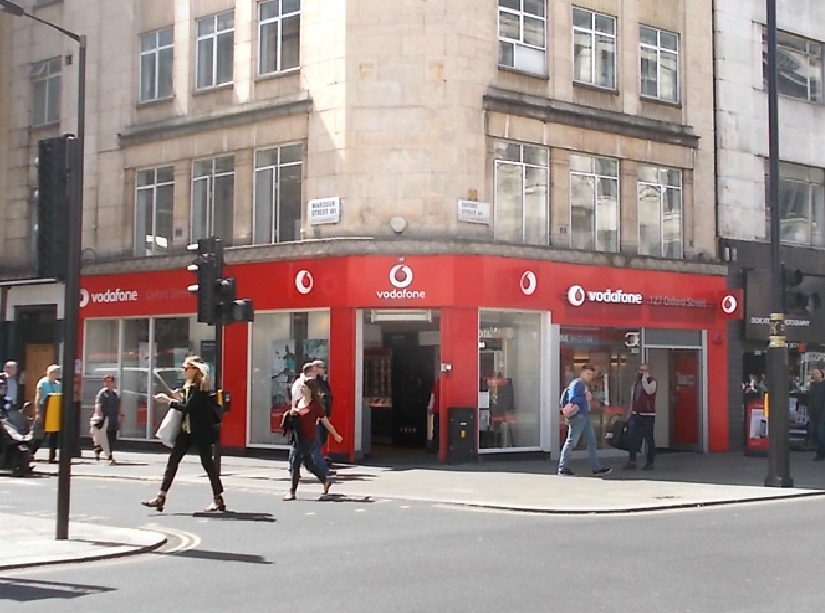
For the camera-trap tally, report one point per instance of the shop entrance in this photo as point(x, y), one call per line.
point(400, 365)
point(679, 399)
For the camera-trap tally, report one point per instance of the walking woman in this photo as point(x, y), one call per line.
point(198, 428)
point(107, 409)
point(308, 412)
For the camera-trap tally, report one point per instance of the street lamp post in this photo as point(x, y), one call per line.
point(779, 474)
point(71, 298)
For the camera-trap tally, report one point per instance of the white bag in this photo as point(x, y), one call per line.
point(169, 427)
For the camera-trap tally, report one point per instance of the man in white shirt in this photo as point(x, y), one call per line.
point(307, 372)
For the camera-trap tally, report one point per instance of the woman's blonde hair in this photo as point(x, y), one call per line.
point(201, 378)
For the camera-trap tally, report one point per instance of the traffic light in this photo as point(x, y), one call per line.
point(230, 308)
point(55, 159)
point(797, 300)
point(208, 266)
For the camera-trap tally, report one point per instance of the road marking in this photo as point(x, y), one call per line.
point(188, 540)
point(360, 510)
point(310, 513)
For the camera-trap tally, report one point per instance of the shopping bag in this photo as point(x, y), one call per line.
point(169, 427)
point(617, 435)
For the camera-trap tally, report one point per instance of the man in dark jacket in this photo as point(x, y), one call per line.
point(642, 418)
point(816, 403)
point(326, 402)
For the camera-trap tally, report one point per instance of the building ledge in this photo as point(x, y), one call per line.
point(349, 246)
point(216, 120)
point(587, 117)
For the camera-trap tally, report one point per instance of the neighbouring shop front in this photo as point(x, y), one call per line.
point(498, 336)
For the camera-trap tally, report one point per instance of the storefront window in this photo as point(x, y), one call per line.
point(616, 364)
point(281, 344)
point(509, 366)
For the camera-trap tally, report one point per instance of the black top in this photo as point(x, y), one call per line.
point(326, 395)
point(816, 399)
point(203, 417)
point(109, 406)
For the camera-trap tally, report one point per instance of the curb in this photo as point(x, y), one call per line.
point(88, 557)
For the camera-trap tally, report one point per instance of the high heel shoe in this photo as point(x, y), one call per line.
point(158, 502)
point(217, 505)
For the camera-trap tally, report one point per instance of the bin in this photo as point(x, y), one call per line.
point(462, 435)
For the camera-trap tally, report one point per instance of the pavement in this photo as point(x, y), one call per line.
point(680, 481)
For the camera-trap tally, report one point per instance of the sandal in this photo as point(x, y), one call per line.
point(290, 495)
point(217, 505)
point(158, 502)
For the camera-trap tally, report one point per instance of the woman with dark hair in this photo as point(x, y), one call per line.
point(107, 415)
point(198, 427)
point(305, 415)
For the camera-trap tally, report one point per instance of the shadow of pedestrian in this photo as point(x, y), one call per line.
point(267, 518)
point(345, 498)
point(29, 590)
point(223, 556)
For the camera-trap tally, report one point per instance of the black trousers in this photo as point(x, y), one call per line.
point(182, 445)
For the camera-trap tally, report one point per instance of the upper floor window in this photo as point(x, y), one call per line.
point(213, 198)
point(45, 78)
point(156, 60)
point(215, 50)
point(594, 48)
point(522, 35)
point(594, 203)
point(279, 35)
point(277, 214)
point(660, 212)
point(522, 175)
point(659, 51)
point(801, 204)
point(154, 195)
point(799, 63)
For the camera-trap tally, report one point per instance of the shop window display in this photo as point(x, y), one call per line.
point(616, 366)
point(509, 365)
point(281, 344)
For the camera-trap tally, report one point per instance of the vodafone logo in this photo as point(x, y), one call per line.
point(84, 297)
point(304, 282)
point(401, 276)
point(108, 296)
point(528, 283)
point(729, 304)
point(576, 295)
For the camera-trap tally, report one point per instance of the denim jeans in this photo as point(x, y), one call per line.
point(303, 451)
point(641, 429)
point(580, 424)
point(321, 434)
point(818, 428)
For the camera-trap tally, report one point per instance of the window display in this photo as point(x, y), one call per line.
point(509, 366)
point(616, 364)
point(281, 344)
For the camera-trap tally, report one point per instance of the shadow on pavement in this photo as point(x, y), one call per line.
point(266, 518)
point(223, 556)
point(29, 590)
point(345, 498)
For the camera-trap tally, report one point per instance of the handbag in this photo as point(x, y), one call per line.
point(570, 409)
point(169, 427)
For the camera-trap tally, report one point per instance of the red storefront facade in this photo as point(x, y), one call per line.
point(503, 335)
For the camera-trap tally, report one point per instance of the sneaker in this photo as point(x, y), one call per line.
point(566, 472)
point(629, 466)
point(648, 466)
point(602, 471)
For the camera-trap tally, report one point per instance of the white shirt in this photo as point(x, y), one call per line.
point(296, 394)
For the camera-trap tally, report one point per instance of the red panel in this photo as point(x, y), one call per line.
point(341, 368)
point(235, 344)
point(718, 422)
point(459, 347)
point(684, 376)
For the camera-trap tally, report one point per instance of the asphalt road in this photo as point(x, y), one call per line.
point(376, 556)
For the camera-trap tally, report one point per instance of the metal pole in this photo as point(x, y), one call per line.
point(71, 306)
point(778, 421)
point(216, 450)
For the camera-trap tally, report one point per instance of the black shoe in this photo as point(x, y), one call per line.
point(649, 466)
point(158, 502)
point(629, 466)
point(566, 472)
point(602, 471)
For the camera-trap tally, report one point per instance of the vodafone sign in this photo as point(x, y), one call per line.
point(108, 296)
point(401, 277)
point(577, 296)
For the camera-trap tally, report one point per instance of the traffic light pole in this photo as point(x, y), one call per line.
point(218, 383)
point(778, 419)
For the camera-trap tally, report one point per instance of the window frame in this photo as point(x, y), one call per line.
point(274, 232)
point(663, 188)
point(140, 245)
point(524, 166)
point(214, 36)
point(659, 49)
point(49, 79)
point(156, 52)
point(793, 173)
point(522, 13)
point(596, 175)
point(809, 42)
point(279, 20)
point(593, 33)
point(209, 213)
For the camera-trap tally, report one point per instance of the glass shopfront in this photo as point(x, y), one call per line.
point(615, 353)
point(144, 355)
point(509, 366)
point(281, 344)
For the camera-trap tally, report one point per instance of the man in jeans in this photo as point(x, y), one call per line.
point(642, 423)
point(579, 424)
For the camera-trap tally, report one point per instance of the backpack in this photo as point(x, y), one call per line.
point(565, 397)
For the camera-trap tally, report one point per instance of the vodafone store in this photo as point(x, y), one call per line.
point(407, 340)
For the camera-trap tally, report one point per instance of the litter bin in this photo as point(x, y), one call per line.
point(462, 435)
